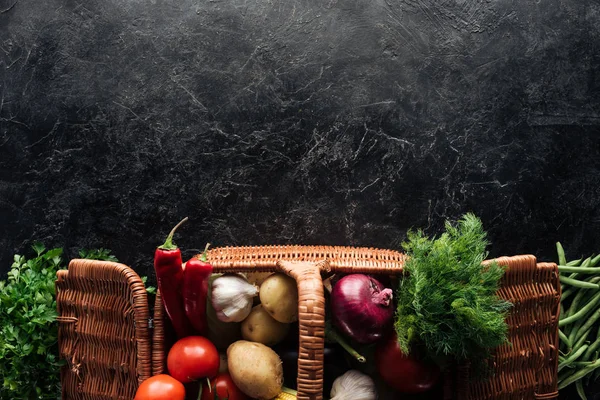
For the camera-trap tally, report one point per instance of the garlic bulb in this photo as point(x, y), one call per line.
point(353, 385)
point(232, 297)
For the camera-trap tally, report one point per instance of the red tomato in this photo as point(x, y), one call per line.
point(160, 387)
point(405, 373)
point(222, 388)
point(193, 358)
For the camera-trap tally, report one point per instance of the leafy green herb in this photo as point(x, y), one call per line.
point(105, 255)
point(29, 366)
point(149, 289)
point(448, 299)
point(28, 336)
point(97, 254)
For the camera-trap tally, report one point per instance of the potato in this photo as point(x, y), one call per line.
point(260, 327)
point(255, 369)
point(257, 278)
point(279, 296)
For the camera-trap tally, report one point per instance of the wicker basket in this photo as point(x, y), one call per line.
point(106, 364)
point(103, 330)
point(525, 369)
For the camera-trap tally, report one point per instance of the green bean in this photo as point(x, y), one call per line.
point(578, 283)
point(565, 374)
point(566, 294)
point(587, 326)
point(578, 375)
point(574, 329)
point(574, 263)
point(581, 340)
point(579, 270)
point(582, 296)
point(564, 339)
point(585, 264)
point(561, 254)
point(575, 303)
point(572, 318)
point(573, 357)
point(580, 391)
point(596, 375)
point(595, 261)
point(593, 347)
point(581, 363)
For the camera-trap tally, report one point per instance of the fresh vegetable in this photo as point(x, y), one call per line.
point(220, 333)
point(257, 278)
point(160, 387)
point(406, 373)
point(279, 297)
point(193, 358)
point(332, 336)
point(287, 394)
point(30, 368)
point(232, 297)
point(579, 331)
point(448, 298)
point(353, 385)
point(261, 327)
point(361, 307)
point(334, 364)
point(195, 291)
point(255, 369)
point(222, 388)
point(169, 275)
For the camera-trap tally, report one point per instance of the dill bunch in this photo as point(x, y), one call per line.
point(448, 300)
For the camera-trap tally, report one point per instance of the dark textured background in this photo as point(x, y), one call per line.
point(315, 122)
point(297, 122)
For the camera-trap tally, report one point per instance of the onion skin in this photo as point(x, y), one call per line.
point(362, 308)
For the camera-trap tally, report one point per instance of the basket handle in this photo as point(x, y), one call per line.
point(311, 319)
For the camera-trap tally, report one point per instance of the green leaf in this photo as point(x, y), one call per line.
point(38, 248)
point(448, 298)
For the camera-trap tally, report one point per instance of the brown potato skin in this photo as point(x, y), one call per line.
point(279, 296)
point(260, 327)
point(255, 369)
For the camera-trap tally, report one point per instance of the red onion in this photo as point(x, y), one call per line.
point(361, 307)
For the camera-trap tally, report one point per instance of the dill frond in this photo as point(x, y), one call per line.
point(448, 298)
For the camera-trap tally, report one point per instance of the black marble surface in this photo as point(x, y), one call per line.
point(311, 122)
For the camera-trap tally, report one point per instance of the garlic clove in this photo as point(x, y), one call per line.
point(353, 385)
point(232, 297)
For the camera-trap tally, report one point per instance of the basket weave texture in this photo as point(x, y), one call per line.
point(524, 369)
point(104, 321)
point(103, 330)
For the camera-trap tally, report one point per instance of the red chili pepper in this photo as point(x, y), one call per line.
point(195, 290)
point(169, 275)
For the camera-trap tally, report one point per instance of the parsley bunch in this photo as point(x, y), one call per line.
point(448, 299)
point(30, 367)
